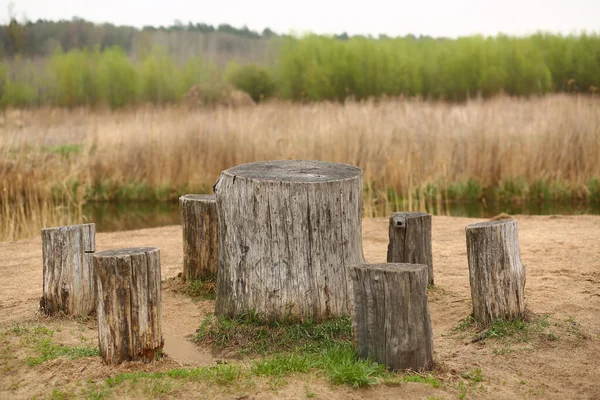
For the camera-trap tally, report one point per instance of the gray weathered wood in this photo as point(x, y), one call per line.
point(496, 274)
point(288, 232)
point(391, 321)
point(129, 304)
point(68, 276)
point(200, 226)
point(410, 240)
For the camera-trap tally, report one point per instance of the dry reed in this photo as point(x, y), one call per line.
point(418, 149)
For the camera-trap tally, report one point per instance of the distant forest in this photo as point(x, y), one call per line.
point(75, 63)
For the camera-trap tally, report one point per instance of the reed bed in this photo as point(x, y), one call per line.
point(414, 153)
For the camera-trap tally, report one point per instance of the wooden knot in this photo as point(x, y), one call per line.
point(399, 222)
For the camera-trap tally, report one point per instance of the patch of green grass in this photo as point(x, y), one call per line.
point(465, 324)
point(251, 334)
point(575, 329)
point(342, 366)
point(92, 392)
point(158, 387)
point(469, 190)
point(506, 331)
point(201, 289)
point(285, 364)
point(58, 394)
point(47, 350)
point(501, 328)
point(462, 390)
point(41, 340)
point(594, 190)
point(473, 375)
point(221, 374)
point(63, 150)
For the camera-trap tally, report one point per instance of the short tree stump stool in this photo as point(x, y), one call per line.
point(200, 228)
point(410, 240)
point(129, 304)
point(496, 273)
point(391, 322)
point(288, 232)
point(69, 283)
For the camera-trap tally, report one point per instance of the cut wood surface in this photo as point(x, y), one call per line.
point(129, 304)
point(200, 227)
point(391, 321)
point(68, 277)
point(496, 274)
point(288, 232)
point(410, 240)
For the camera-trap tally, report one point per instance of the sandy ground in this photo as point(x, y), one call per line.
point(561, 255)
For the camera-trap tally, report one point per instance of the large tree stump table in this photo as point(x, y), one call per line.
point(288, 233)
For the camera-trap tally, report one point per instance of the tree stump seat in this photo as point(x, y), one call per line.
point(200, 228)
point(69, 285)
point(391, 322)
point(129, 304)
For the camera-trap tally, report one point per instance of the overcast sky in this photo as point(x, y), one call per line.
point(448, 18)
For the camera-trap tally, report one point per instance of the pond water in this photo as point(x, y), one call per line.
point(111, 217)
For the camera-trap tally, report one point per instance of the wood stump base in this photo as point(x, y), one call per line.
point(391, 322)
point(69, 285)
point(410, 240)
point(129, 304)
point(496, 274)
point(200, 227)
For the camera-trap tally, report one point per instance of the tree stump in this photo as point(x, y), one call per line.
point(410, 240)
point(68, 276)
point(288, 232)
point(496, 274)
point(129, 304)
point(391, 321)
point(200, 226)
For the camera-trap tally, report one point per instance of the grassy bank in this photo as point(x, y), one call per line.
point(413, 153)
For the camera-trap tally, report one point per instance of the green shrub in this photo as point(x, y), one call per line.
point(252, 79)
point(117, 80)
point(316, 68)
point(74, 77)
point(159, 78)
point(17, 94)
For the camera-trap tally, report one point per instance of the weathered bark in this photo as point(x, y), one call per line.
point(200, 226)
point(410, 240)
point(496, 274)
point(68, 278)
point(129, 304)
point(391, 321)
point(288, 232)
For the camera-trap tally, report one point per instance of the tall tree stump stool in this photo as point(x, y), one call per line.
point(69, 284)
point(200, 226)
point(288, 232)
point(496, 274)
point(410, 240)
point(391, 321)
point(129, 304)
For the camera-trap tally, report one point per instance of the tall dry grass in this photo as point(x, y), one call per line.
point(412, 152)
